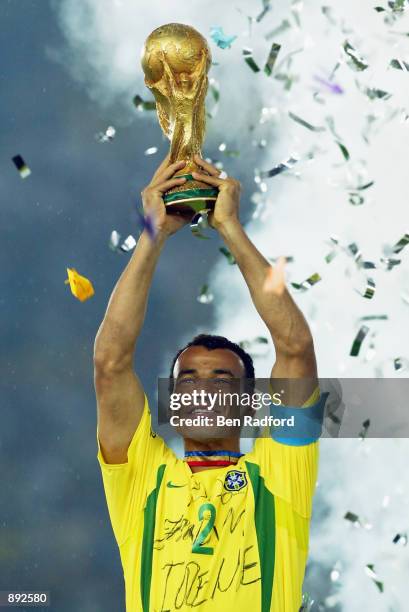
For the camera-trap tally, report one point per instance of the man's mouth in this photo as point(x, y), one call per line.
point(202, 410)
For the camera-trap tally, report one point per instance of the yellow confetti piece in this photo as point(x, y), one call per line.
point(80, 286)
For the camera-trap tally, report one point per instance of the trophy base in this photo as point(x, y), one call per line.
point(190, 201)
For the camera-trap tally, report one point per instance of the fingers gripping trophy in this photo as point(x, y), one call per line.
point(176, 59)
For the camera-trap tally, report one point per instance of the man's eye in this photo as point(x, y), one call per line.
point(186, 380)
point(223, 380)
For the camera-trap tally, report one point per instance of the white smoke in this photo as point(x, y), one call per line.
point(298, 212)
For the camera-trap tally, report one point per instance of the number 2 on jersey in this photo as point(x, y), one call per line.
point(203, 533)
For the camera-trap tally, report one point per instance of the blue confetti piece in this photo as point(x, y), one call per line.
point(220, 38)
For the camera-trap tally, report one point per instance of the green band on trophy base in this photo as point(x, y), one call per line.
point(196, 199)
point(193, 194)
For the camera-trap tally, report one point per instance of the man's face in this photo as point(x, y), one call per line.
point(211, 374)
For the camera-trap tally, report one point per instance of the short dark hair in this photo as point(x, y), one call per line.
point(212, 342)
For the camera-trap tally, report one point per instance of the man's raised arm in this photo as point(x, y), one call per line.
point(120, 396)
point(295, 356)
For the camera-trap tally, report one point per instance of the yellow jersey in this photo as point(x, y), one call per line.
point(225, 539)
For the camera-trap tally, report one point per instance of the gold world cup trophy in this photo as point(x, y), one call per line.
point(176, 59)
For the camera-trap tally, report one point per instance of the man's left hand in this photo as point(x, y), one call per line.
point(226, 208)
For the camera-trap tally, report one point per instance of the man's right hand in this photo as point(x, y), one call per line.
point(152, 199)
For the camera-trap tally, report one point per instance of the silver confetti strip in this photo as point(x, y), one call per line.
point(205, 297)
point(400, 245)
point(399, 65)
point(309, 282)
point(401, 538)
point(142, 105)
point(285, 25)
point(377, 94)
point(114, 240)
point(23, 170)
point(400, 364)
point(106, 136)
point(127, 245)
point(353, 518)
point(198, 223)
point(227, 255)
point(272, 57)
point(364, 431)
point(266, 9)
point(355, 62)
point(356, 199)
point(305, 124)
point(358, 340)
point(282, 167)
point(369, 289)
point(306, 603)
point(248, 58)
point(389, 262)
point(370, 571)
point(257, 347)
point(151, 151)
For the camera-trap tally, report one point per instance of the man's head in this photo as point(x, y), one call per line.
point(217, 366)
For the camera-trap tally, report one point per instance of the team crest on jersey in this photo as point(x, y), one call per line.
point(235, 480)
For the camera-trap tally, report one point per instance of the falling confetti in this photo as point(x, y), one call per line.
point(285, 25)
point(220, 38)
point(389, 263)
point(106, 136)
point(143, 105)
point(272, 57)
point(344, 150)
point(257, 346)
point(328, 11)
point(151, 151)
point(205, 297)
point(355, 62)
point(21, 166)
point(353, 518)
point(401, 364)
point(282, 167)
point(198, 223)
point(214, 89)
point(364, 431)
point(80, 286)
point(401, 538)
point(127, 245)
point(227, 255)
point(358, 340)
point(376, 94)
point(306, 603)
point(305, 124)
point(248, 58)
point(369, 291)
point(266, 9)
point(356, 199)
point(370, 571)
point(308, 283)
point(334, 88)
point(400, 245)
point(399, 65)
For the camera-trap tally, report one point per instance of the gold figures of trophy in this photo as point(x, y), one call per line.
point(176, 59)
